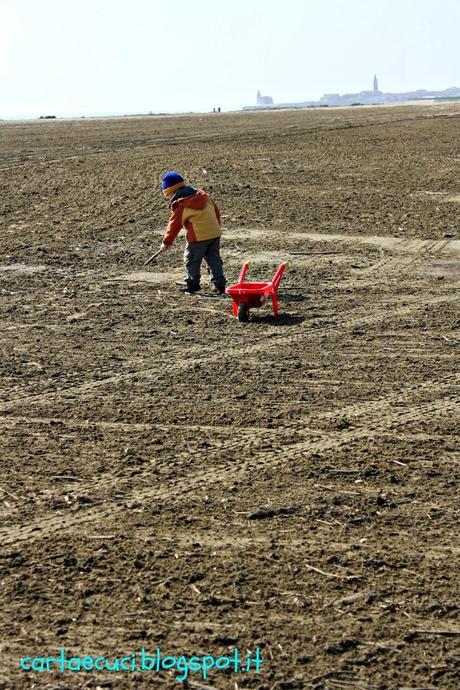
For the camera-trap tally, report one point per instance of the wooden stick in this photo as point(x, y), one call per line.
point(200, 686)
point(448, 633)
point(340, 577)
point(65, 477)
point(161, 582)
point(314, 253)
point(8, 494)
point(351, 683)
point(154, 256)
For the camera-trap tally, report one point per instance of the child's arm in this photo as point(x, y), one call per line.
point(174, 226)
point(217, 210)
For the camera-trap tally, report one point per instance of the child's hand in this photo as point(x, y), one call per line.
point(164, 247)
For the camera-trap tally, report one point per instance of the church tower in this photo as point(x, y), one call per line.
point(376, 84)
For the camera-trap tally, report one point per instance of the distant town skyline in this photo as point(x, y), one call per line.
point(366, 97)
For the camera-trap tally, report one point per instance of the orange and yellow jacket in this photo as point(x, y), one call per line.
point(195, 211)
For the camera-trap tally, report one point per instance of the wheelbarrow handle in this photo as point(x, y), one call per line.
point(276, 280)
point(244, 270)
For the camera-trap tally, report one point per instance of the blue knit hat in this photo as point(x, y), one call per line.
point(171, 181)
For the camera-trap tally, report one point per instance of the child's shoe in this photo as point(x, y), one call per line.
point(190, 289)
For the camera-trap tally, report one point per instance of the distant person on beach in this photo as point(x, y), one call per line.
point(195, 211)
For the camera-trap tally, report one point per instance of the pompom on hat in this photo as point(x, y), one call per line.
point(171, 181)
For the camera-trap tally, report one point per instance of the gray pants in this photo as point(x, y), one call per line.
point(209, 250)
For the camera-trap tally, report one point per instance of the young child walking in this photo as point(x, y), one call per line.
point(195, 211)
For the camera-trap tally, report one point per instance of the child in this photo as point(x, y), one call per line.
point(195, 211)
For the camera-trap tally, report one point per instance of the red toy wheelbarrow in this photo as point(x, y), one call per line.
point(247, 295)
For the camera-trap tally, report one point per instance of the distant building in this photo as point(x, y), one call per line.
point(363, 97)
point(264, 100)
point(374, 97)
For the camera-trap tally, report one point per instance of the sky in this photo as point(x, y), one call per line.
point(81, 57)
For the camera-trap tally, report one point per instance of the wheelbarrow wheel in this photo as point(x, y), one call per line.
point(243, 311)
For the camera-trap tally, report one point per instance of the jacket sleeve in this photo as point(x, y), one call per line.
point(217, 210)
point(174, 225)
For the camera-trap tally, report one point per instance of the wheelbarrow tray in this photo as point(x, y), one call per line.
point(254, 294)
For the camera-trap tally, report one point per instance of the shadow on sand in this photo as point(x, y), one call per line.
point(280, 320)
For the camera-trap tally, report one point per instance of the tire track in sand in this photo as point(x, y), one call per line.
point(201, 479)
point(393, 264)
point(361, 409)
point(358, 317)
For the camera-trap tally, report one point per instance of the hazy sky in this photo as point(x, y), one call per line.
point(120, 56)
